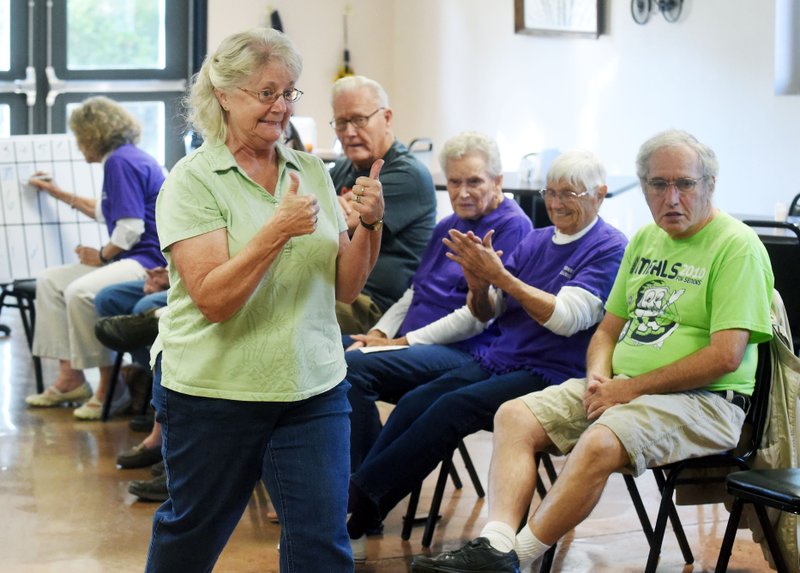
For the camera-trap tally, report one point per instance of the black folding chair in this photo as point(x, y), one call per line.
point(669, 476)
point(447, 468)
point(679, 473)
point(543, 461)
point(422, 148)
point(23, 293)
point(794, 208)
point(778, 488)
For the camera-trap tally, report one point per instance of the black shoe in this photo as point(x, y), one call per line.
point(139, 457)
point(150, 490)
point(142, 422)
point(140, 385)
point(127, 332)
point(477, 555)
point(157, 470)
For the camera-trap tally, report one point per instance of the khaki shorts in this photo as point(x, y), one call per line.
point(654, 430)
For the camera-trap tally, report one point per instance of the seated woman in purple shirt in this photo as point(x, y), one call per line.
point(546, 301)
point(65, 313)
point(430, 327)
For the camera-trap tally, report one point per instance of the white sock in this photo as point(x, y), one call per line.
point(500, 535)
point(527, 546)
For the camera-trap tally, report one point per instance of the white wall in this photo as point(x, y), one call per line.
point(315, 27)
point(451, 65)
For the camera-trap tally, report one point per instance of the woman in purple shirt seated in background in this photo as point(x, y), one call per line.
point(65, 314)
point(430, 324)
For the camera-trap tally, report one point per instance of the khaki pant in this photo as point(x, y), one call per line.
point(359, 317)
point(65, 313)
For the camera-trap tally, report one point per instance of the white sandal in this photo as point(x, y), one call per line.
point(52, 396)
point(93, 409)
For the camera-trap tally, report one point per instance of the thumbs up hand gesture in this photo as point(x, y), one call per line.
point(367, 196)
point(297, 214)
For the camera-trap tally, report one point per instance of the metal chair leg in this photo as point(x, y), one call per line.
point(543, 460)
point(37, 372)
point(473, 474)
point(112, 385)
point(409, 519)
point(666, 511)
point(675, 519)
point(730, 535)
point(547, 559)
point(457, 483)
point(638, 505)
point(772, 542)
point(447, 469)
point(27, 312)
point(436, 502)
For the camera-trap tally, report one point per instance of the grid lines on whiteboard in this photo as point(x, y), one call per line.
point(36, 230)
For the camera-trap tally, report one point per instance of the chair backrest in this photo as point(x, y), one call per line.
point(758, 414)
point(784, 254)
point(422, 148)
point(530, 167)
point(421, 145)
point(794, 208)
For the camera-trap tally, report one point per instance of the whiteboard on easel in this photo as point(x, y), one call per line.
point(36, 230)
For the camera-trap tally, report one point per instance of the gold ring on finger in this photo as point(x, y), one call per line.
point(358, 198)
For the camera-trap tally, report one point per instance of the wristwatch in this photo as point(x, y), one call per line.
point(376, 226)
point(103, 260)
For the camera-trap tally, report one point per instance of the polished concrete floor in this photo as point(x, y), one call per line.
point(64, 506)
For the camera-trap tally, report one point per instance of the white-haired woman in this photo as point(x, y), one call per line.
point(249, 371)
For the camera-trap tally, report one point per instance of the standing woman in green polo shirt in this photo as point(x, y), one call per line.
point(249, 368)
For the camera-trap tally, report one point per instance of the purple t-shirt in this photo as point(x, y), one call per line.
point(131, 182)
point(590, 263)
point(439, 283)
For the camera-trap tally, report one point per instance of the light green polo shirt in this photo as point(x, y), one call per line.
point(284, 344)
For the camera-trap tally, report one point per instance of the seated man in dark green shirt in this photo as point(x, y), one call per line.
point(362, 119)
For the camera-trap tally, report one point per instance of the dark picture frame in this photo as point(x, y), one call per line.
point(570, 18)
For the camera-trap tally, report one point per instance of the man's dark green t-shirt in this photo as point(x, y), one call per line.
point(409, 218)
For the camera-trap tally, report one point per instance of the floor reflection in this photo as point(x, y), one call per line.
point(65, 506)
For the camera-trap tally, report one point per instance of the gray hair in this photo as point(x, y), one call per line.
point(472, 142)
point(236, 59)
point(352, 83)
point(101, 124)
point(676, 138)
point(580, 168)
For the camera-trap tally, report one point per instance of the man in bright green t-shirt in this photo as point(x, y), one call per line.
point(669, 370)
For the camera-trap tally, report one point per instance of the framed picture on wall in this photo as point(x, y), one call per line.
point(575, 18)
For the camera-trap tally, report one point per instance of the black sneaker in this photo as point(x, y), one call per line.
point(477, 555)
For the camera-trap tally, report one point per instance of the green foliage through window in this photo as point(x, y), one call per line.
point(114, 34)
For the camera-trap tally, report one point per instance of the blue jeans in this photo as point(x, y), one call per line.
point(129, 298)
point(215, 451)
point(389, 376)
point(425, 426)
